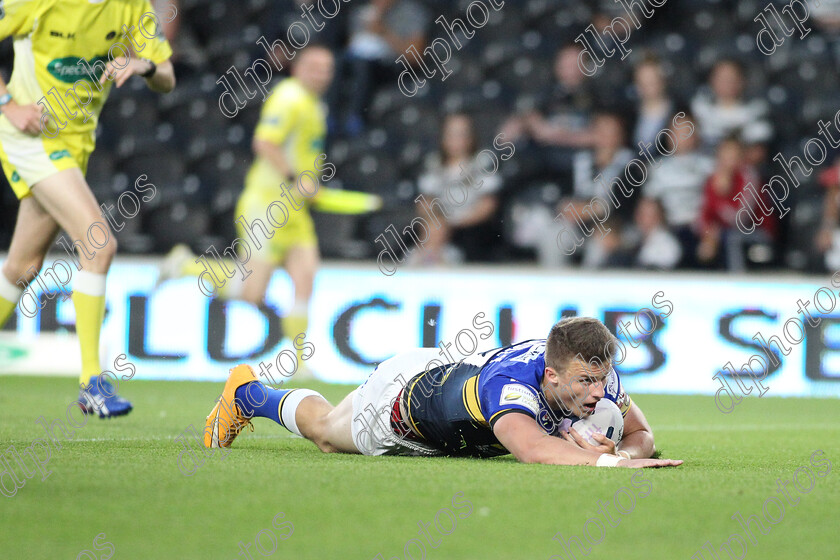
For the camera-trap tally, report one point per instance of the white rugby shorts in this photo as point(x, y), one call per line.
point(374, 401)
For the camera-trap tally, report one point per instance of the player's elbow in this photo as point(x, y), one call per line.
point(651, 445)
point(164, 79)
point(168, 85)
point(643, 441)
point(259, 147)
point(540, 457)
point(529, 459)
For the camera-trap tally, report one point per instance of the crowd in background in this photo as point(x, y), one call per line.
point(683, 214)
point(569, 129)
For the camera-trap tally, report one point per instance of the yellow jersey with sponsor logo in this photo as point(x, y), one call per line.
point(61, 48)
point(295, 119)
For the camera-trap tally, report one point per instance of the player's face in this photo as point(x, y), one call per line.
point(315, 69)
point(579, 388)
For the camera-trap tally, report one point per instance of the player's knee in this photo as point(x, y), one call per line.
point(111, 248)
point(253, 297)
point(304, 284)
point(322, 440)
point(16, 270)
point(320, 435)
point(326, 447)
point(105, 254)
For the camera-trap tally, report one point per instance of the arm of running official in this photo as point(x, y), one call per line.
point(274, 154)
point(157, 51)
point(26, 118)
point(278, 120)
point(18, 18)
point(163, 80)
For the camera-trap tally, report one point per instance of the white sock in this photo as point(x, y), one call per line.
point(90, 283)
point(233, 289)
point(289, 405)
point(299, 309)
point(8, 290)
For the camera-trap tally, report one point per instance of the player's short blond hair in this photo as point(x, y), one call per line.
point(584, 338)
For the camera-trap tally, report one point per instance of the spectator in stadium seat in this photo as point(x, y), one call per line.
point(608, 251)
point(722, 244)
point(380, 31)
point(656, 247)
point(608, 158)
point(558, 126)
point(678, 182)
point(826, 15)
point(279, 16)
point(756, 137)
point(467, 230)
point(722, 109)
point(646, 243)
point(654, 107)
point(827, 240)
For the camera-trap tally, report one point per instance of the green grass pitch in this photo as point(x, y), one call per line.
point(120, 477)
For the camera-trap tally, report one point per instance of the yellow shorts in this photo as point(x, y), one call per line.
point(29, 159)
point(292, 228)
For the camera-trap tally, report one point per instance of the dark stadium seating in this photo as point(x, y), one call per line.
point(505, 66)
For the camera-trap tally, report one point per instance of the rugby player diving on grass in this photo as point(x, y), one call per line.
point(506, 400)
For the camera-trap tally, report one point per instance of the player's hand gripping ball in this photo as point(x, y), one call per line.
point(606, 420)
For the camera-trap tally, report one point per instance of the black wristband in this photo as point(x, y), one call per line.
point(151, 71)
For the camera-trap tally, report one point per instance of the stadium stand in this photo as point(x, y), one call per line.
point(197, 157)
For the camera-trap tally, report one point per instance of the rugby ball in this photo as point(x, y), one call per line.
point(605, 420)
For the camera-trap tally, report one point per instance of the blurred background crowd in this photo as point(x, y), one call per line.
point(518, 75)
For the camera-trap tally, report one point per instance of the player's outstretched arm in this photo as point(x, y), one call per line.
point(526, 441)
point(638, 435)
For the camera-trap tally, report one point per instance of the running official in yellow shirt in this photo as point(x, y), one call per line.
point(272, 214)
point(288, 141)
point(68, 54)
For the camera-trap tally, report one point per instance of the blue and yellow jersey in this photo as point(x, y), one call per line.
point(454, 407)
point(60, 42)
point(294, 119)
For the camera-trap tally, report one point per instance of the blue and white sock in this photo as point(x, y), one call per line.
point(255, 399)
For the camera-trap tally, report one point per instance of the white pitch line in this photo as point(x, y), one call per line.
point(164, 438)
point(738, 427)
